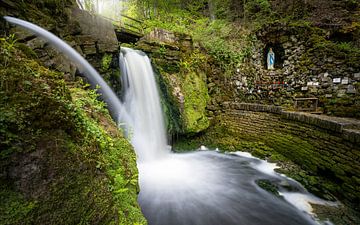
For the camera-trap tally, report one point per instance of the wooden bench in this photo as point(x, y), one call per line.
point(306, 104)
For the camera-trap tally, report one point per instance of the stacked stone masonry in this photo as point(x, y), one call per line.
point(320, 147)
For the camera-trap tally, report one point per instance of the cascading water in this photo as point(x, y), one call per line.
point(142, 113)
point(200, 188)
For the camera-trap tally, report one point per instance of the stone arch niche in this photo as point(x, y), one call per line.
point(279, 51)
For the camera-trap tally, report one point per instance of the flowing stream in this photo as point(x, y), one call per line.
point(199, 188)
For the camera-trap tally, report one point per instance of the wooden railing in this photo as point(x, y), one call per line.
point(128, 24)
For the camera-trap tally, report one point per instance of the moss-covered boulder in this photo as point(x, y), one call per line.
point(196, 98)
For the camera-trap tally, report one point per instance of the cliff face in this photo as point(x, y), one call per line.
point(62, 159)
point(182, 78)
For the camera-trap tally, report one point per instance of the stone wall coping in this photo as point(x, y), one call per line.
point(349, 128)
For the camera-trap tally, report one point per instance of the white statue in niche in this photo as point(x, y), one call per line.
point(270, 59)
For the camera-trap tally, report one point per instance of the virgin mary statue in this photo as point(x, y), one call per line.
point(270, 59)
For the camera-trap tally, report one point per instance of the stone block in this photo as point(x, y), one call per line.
point(85, 40)
point(352, 135)
point(96, 29)
point(337, 80)
point(351, 89)
point(36, 43)
point(89, 49)
point(345, 80)
point(357, 76)
point(341, 93)
point(326, 79)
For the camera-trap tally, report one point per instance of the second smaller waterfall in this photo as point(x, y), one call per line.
point(142, 115)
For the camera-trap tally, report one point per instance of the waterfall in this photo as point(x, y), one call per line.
point(108, 95)
point(203, 188)
point(141, 114)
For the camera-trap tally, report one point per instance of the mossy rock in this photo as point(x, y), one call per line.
point(196, 99)
point(63, 159)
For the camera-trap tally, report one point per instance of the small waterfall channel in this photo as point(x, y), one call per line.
point(198, 188)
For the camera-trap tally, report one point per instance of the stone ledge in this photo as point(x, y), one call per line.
point(316, 120)
point(347, 127)
point(254, 107)
point(351, 135)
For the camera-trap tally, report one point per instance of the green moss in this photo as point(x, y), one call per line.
point(106, 61)
point(14, 207)
point(85, 169)
point(298, 149)
point(345, 106)
point(268, 186)
point(170, 106)
point(196, 98)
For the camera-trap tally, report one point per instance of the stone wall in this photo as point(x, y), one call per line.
point(320, 151)
point(310, 62)
point(348, 129)
point(328, 158)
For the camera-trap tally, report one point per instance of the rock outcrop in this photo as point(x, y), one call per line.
point(178, 63)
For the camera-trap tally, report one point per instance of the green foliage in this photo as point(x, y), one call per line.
point(345, 46)
point(226, 42)
point(14, 207)
point(257, 8)
point(162, 50)
point(106, 61)
point(45, 99)
point(268, 186)
point(228, 45)
point(345, 106)
point(7, 48)
point(92, 166)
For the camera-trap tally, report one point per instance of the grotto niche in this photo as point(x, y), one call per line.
point(279, 52)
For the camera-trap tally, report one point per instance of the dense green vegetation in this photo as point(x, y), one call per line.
point(229, 29)
point(63, 159)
